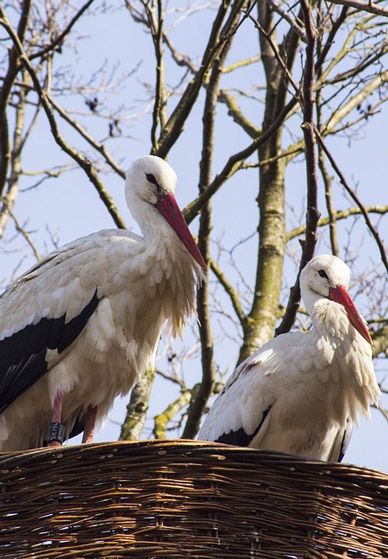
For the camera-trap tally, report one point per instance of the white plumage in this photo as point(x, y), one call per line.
point(302, 392)
point(81, 326)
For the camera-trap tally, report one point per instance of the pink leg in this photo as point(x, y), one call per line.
point(57, 407)
point(90, 421)
point(57, 415)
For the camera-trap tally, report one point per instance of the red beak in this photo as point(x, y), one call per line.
point(169, 209)
point(340, 295)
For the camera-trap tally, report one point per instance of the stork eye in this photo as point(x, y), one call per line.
point(151, 178)
point(323, 274)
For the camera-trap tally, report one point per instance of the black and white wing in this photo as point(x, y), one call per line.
point(43, 313)
point(45, 310)
point(281, 398)
point(243, 407)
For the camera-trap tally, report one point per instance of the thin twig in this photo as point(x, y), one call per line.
point(278, 56)
point(291, 20)
point(381, 409)
point(356, 199)
point(86, 136)
point(59, 39)
point(336, 26)
point(369, 6)
point(25, 235)
point(327, 180)
point(230, 291)
point(82, 161)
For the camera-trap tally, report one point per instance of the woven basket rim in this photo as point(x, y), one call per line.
point(11, 459)
point(174, 498)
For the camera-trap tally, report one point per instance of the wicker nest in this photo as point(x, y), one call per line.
point(176, 499)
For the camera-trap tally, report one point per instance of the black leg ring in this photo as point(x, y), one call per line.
point(55, 432)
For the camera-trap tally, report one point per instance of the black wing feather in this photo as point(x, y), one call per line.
point(345, 439)
point(23, 354)
point(240, 437)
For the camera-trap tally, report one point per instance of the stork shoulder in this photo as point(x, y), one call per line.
point(66, 280)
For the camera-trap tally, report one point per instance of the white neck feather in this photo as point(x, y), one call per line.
point(330, 318)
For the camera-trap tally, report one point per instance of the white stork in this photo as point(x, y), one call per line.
point(301, 393)
point(80, 326)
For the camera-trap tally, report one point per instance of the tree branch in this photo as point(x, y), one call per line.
point(311, 171)
point(237, 115)
point(198, 403)
point(277, 65)
point(86, 136)
point(369, 6)
point(380, 341)
point(336, 26)
point(8, 201)
point(355, 101)
point(235, 162)
point(163, 419)
point(137, 407)
point(218, 36)
point(159, 111)
point(5, 90)
point(327, 180)
point(339, 215)
point(82, 161)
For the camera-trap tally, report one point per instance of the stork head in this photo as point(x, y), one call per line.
point(328, 277)
point(151, 182)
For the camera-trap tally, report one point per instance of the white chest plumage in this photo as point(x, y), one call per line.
point(80, 327)
point(302, 393)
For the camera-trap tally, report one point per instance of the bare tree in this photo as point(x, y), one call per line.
point(314, 74)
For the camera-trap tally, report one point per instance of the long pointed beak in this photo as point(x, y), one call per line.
point(340, 295)
point(168, 207)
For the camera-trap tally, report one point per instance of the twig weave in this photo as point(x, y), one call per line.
point(178, 499)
